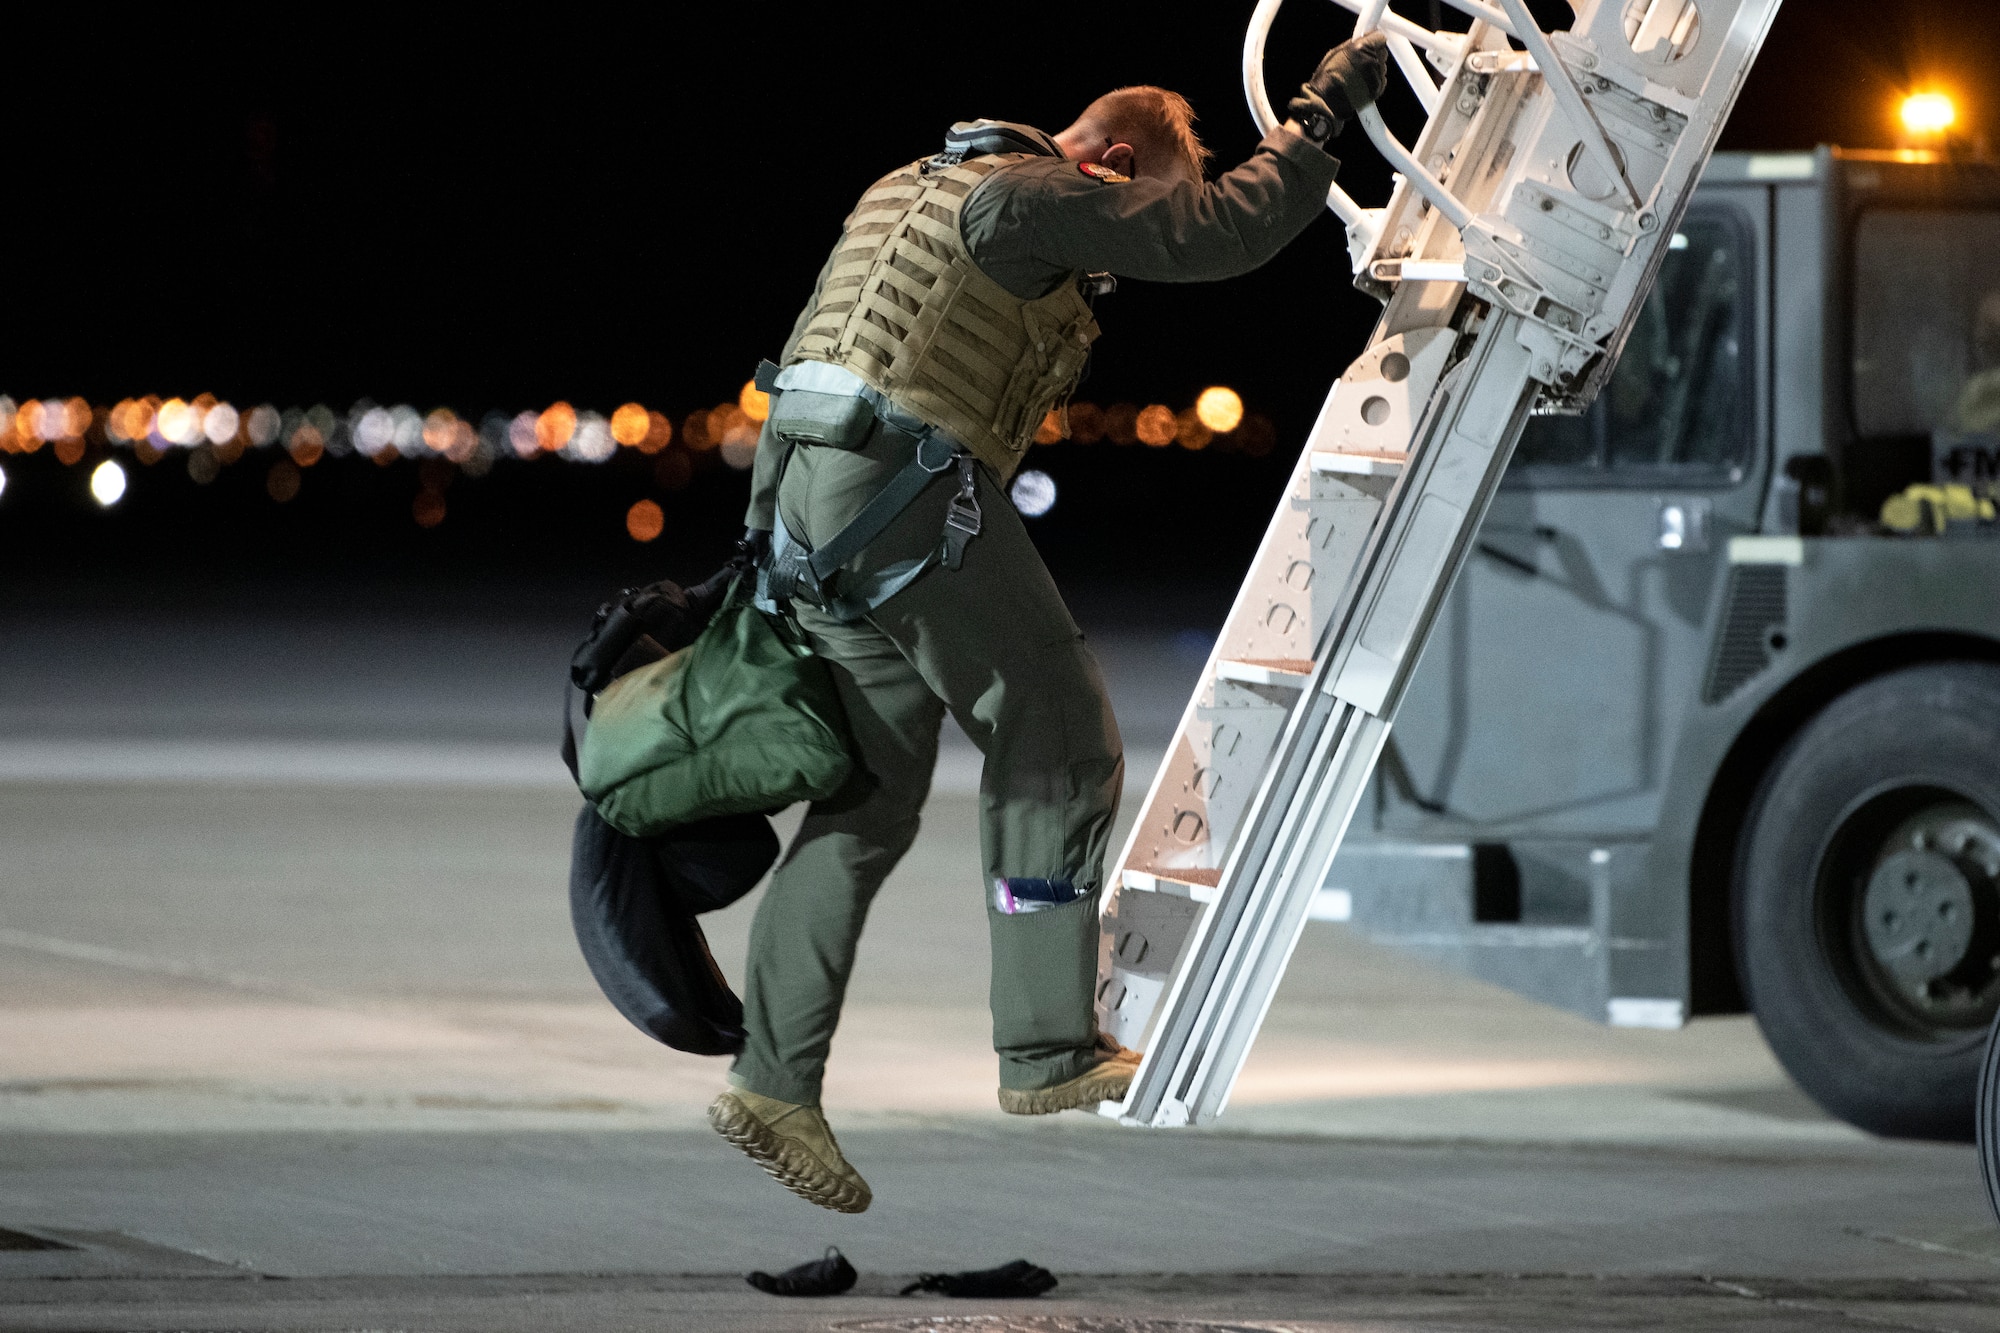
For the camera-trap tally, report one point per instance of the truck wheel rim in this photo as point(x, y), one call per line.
point(1908, 908)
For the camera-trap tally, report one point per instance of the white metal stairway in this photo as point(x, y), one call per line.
point(1523, 234)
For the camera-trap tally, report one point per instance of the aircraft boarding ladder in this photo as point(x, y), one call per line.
point(1522, 236)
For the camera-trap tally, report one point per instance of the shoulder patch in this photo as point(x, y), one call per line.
point(1098, 171)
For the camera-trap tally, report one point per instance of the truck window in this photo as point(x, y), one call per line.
point(1926, 323)
point(1676, 406)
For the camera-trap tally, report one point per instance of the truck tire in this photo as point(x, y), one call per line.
point(1987, 1128)
point(1868, 900)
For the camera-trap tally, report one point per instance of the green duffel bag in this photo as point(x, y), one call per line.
point(744, 719)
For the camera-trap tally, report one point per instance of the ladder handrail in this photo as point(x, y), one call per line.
point(1390, 147)
point(1343, 204)
point(1420, 80)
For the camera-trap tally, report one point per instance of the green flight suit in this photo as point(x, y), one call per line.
point(991, 642)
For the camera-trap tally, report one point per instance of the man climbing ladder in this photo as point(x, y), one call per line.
point(952, 316)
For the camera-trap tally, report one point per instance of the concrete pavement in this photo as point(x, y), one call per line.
point(311, 1048)
point(340, 1037)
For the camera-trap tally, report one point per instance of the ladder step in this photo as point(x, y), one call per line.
point(1418, 270)
point(1288, 672)
point(1357, 464)
point(1182, 882)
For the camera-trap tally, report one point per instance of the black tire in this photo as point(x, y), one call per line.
point(1868, 900)
point(1988, 1124)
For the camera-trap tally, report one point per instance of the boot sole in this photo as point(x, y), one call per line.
point(1108, 1082)
point(786, 1162)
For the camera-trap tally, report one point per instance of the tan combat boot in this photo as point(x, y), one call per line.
point(793, 1144)
point(1106, 1081)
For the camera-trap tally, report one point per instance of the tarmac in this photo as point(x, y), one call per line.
point(293, 1035)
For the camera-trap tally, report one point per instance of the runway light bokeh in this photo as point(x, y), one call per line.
point(554, 427)
point(1220, 409)
point(1033, 492)
point(629, 425)
point(210, 435)
point(1155, 426)
point(645, 520)
point(282, 482)
point(107, 483)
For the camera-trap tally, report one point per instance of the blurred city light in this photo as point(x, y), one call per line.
point(150, 426)
point(408, 434)
point(644, 521)
point(1086, 423)
point(175, 423)
point(107, 483)
point(1034, 492)
point(220, 423)
point(554, 427)
point(1219, 409)
point(1155, 426)
point(441, 430)
point(629, 425)
point(427, 509)
point(282, 482)
point(590, 441)
point(521, 435)
point(374, 430)
point(215, 435)
point(735, 434)
point(659, 433)
point(1121, 423)
point(1928, 113)
point(1190, 431)
point(306, 445)
point(3, 481)
point(262, 425)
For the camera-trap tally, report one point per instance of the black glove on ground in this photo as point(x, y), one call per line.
point(1018, 1279)
point(1351, 76)
point(828, 1276)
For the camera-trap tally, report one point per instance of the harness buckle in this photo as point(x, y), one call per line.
point(962, 519)
point(935, 453)
point(790, 578)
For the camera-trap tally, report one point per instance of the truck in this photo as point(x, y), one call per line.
point(1696, 732)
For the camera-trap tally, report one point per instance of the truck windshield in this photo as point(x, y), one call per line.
point(1926, 323)
point(1676, 402)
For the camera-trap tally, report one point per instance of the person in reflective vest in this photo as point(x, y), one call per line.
point(953, 315)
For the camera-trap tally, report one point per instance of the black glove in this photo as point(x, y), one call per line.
point(1019, 1279)
point(1351, 76)
point(753, 548)
point(829, 1276)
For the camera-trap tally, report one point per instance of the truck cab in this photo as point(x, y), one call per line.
point(1698, 731)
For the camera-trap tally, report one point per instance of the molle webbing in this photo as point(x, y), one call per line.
point(905, 308)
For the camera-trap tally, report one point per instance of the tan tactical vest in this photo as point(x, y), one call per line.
point(904, 308)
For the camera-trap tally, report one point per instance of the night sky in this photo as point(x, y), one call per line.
point(494, 209)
